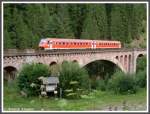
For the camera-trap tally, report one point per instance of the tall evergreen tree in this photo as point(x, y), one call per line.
point(37, 19)
point(108, 14)
point(138, 15)
point(20, 32)
point(7, 40)
point(95, 25)
point(60, 23)
point(120, 23)
point(7, 27)
point(77, 13)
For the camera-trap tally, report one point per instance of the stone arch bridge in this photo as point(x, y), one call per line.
point(125, 59)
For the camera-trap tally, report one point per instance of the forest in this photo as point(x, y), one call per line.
point(26, 24)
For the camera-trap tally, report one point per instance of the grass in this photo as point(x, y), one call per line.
point(96, 100)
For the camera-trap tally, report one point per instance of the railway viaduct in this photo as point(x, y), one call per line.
point(125, 59)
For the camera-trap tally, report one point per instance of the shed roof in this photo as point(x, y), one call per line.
point(51, 80)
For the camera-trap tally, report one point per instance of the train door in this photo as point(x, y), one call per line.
point(93, 45)
point(50, 44)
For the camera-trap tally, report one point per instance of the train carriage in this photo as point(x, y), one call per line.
point(55, 43)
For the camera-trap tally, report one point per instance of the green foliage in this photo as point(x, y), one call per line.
point(26, 24)
point(101, 85)
point(141, 73)
point(95, 25)
point(77, 14)
point(60, 23)
point(29, 76)
point(120, 23)
point(74, 92)
point(71, 72)
point(121, 83)
point(141, 63)
point(141, 79)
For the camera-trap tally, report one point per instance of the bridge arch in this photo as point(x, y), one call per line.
point(114, 61)
point(75, 61)
point(9, 73)
point(52, 63)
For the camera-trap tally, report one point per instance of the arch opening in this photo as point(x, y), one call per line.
point(140, 55)
point(117, 57)
point(54, 68)
point(100, 70)
point(75, 61)
point(10, 73)
point(52, 63)
point(141, 63)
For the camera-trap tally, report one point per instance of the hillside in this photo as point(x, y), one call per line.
point(26, 24)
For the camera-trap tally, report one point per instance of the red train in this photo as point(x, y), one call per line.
point(55, 43)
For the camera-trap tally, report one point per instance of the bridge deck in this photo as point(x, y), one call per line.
point(31, 52)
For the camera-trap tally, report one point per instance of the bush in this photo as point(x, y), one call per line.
point(29, 76)
point(100, 85)
point(121, 83)
point(141, 78)
point(71, 72)
point(141, 64)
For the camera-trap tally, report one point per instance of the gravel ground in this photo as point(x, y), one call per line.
point(127, 107)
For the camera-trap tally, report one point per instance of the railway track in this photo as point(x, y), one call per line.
point(62, 51)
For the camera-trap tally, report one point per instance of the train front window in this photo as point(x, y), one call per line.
point(42, 41)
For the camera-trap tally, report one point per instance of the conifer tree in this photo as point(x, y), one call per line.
point(7, 40)
point(120, 23)
point(95, 25)
point(60, 23)
point(137, 18)
point(7, 27)
point(77, 14)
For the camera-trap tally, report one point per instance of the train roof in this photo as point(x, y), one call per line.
point(80, 40)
